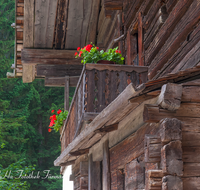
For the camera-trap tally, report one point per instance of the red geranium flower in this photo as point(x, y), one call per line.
point(119, 51)
point(51, 117)
point(80, 53)
point(52, 111)
point(88, 47)
point(116, 51)
point(76, 54)
point(97, 47)
point(59, 111)
point(78, 48)
point(49, 130)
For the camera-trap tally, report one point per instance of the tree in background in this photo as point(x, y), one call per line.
point(25, 143)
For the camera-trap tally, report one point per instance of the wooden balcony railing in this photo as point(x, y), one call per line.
point(98, 86)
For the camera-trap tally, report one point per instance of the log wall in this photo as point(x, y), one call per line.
point(163, 35)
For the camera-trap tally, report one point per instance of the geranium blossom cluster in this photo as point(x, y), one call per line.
point(53, 119)
point(91, 54)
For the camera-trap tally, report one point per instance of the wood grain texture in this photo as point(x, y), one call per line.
point(170, 96)
point(28, 23)
point(61, 24)
point(41, 18)
point(58, 70)
point(106, 167)
point(130, 148)
point(115, 67)
point(45, 56)
point(154, 114)
point(166, 29)
point(51, 23)
point(173, 63)
point(93, 21)
point(171, 158)
point(173, 43)
point(74, 24)
point(60, 81)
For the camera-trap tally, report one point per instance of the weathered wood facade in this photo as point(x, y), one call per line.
point(130, 127)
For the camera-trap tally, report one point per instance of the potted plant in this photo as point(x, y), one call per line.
point(91, 54)
point(56, 120)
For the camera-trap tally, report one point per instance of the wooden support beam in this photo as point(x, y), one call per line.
point(28, 73)
point(28, 70)
point(134, 175)
point(172, 182)
point(49, 56)
point(58, 70)
point(127, 68)
point(79, 152)
point(152, 146)
point(94, 174)
point(106, 167)
point(68, 163)
point(170, 96)
point(170, 130)
point(60, 81)
point(171, 158)
point(153, 113)
point(140, 40)
point(142, 98)
point(66, 102)
point(107, 129)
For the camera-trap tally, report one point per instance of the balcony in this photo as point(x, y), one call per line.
point(97, 87)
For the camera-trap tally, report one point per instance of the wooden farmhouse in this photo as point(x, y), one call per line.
point(130, 127)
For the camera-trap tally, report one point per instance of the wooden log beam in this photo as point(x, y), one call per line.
point(94, 174)
point(170, 96)
point(28, 70)
point(66, 95)
point(79, 152)
point(153, 29)
point(152, 146)
point(152, 113)
point(172, 182)
point(173, 43)
point(49, 56)
point(142, 98)
point(106, 167)
point(173, 65)
point(127, 68)
point(171, 158)
point(170, 130)
point(58, 70)
point(134, 175)
point(60, 81)
point(68, 163)
point(107, 129)
point(163, 34)
point(113, 4)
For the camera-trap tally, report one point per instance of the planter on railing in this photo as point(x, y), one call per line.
point(98, 86)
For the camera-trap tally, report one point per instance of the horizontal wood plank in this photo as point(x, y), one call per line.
point(60, 81)
point(115, 67)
